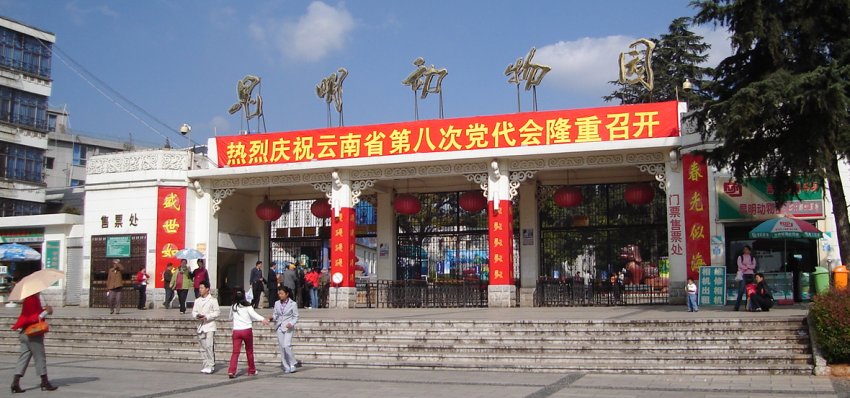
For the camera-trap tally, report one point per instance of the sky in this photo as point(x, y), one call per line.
point(141, 69)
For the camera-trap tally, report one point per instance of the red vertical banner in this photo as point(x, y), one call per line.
point(171, 228)
point(697, 229)
point(501, 243)
point(343, 248)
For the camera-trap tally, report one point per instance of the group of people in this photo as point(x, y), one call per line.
point(243, 315)
point(176, 280)
point(303, 285)
point(180, 279)
point(752, 287)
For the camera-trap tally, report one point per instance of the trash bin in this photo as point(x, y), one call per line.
point(821, 276)
point(839, 275)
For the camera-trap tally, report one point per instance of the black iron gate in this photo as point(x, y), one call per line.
point(603, 251)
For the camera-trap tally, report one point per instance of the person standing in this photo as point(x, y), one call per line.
point(285, 317)
point(32, 311)
point(166, 281)
point(243, 316)
point(256, 282)
point(290, 279)
point(746, 269)
point(311, 281)
point(114, 284)
point(142, 282)
point(273, 282)
point(206, 311)
point(691, 289)
point(200, 275)
point(181, 282)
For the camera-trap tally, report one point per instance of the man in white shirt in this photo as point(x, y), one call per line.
point(206, 311)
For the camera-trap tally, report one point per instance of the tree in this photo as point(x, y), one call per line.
point(678, 55)
point(780, 107)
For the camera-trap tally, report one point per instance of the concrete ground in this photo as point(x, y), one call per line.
point(80, 377)
point(85, 377)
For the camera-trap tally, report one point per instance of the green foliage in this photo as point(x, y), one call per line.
point(70, 210)
point(831, 316)
point(781, 100)
point(678, 55)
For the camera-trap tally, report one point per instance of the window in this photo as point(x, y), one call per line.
point(79, 154)
point(23, 108)
point(51, 122)
point(77, 183)
point(48, 163)
point(11, 207)
point(25, 53)
point(18, 162)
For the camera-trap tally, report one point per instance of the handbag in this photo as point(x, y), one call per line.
point(36, 329)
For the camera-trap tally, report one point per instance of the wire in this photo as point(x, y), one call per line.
point(89, 77)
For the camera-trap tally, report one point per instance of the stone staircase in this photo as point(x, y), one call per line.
point(694, 346)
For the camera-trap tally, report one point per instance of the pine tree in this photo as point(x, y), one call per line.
point(781, 100)
point(678, 55)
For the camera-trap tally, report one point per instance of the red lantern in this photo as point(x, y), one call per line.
point(406, 204)
point(321, 208)
point(568, 197)
point(472, 201)
point(268, 210)
point(639, 194)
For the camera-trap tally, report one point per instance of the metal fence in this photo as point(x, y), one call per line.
point(421, 294)
point(559, 293)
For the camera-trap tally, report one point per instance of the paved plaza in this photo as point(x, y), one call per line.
point(87, 377)
point(78, 377)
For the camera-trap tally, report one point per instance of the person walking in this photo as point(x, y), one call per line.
point(181, 282)
point(167, 275)
point(114, 285)
point(311, 281)
point(206, 311)
point(243, 316)
point(256, 281)
point(32, 311)
point(142, 282)
point(746, 269)
point(200, 275)
point(285, 317)
point(273, 283)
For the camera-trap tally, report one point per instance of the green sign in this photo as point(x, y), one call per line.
point(712, 285)
point(754, 199)
point(51, 254)
point(118, 246)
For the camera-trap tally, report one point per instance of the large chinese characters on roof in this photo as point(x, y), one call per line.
point(593, 125)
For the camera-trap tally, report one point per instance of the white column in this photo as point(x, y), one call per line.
point(529, 254)
point(387, 236)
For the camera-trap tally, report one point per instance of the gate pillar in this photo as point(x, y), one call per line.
point(343, 291)
point(502, 291)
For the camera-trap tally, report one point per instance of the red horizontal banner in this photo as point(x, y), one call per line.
point(617, 123)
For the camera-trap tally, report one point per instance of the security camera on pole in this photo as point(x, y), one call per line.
point(186, 131)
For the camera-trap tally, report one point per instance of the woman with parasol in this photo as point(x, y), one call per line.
point(32, 311)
